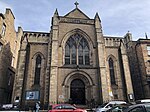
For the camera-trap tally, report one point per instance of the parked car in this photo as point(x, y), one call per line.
point(145, 107)
point(142, 101)
point(119, 108)
point(7, 106)
point(109, 105)
point(65, 108)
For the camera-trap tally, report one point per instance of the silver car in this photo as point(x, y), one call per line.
point(109, 105)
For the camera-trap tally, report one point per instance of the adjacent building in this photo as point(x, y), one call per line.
point(9, 45)
point(139, 59)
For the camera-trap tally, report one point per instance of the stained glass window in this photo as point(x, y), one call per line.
point(37, 70)
point(77, 50)
point(112, 72)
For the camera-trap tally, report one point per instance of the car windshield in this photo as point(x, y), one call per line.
point(147, 108)
point(69, 107)
point(121, 107)
point(118, 108)
point(101, 106)
point(64, 107)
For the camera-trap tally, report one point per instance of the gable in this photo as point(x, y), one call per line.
point(77, 13)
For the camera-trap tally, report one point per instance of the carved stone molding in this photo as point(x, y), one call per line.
point(76, 21)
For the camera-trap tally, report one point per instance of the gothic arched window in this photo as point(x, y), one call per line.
point(37, 70)
point(77, 50)
point(112, 72)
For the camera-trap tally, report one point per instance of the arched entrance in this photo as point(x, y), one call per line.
point(77, 91)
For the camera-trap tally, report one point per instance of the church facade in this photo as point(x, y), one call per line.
point(73, 62)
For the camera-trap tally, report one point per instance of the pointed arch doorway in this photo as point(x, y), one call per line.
point(77, 91)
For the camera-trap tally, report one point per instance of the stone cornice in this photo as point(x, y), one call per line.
point(79, 67)
point(144, 41)
point(112, 47)
point(36, 33)
point(76, 20)
point(38, 43)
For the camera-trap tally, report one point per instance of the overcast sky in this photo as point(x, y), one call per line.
point(117, 16)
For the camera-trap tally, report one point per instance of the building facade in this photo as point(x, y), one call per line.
point(143, 55)
point(139, 56)
point(73, 62)
point(9, 45)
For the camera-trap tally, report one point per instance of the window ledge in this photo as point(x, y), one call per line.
point(77, 66)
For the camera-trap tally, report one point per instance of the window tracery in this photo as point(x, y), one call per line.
point(37, 70)
point(77, 50)
point(111, 70)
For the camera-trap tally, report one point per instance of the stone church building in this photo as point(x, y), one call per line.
point(73, 62)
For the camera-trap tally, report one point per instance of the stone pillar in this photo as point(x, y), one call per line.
point(47, 76)
point(19, 78)
point(127, 74)
point(101, 59)
point(54, 60)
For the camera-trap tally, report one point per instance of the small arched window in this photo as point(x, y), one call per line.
point(111, 70)
point(77, 50)
point(37, 70)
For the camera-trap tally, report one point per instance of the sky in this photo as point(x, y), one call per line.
point(117, 16)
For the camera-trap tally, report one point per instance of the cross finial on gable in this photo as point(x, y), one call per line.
point(146, 35)
point(76, 3)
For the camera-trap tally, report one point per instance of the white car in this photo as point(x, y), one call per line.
point(109, 105)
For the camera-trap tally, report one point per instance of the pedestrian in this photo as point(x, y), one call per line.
point(37, 106)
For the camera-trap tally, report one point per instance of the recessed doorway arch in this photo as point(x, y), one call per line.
point(75, 82)
point(77, 91)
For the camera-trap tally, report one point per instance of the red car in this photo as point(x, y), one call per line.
point(65, 108)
